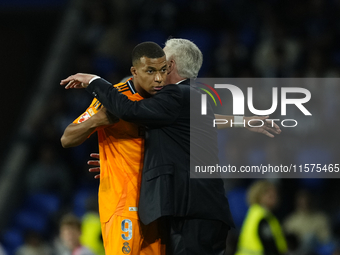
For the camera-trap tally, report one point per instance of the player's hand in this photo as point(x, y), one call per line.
point(77, 81)
point(269, 127)
point(94, 163)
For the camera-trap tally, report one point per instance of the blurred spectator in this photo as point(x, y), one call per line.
point(69, 237)
point(261, 231)
point(308, 224)
point(34, 245)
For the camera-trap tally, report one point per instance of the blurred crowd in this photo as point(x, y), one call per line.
point(238, 38)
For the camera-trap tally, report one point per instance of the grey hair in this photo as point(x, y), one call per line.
point(187, 56)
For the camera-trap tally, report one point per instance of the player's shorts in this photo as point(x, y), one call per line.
point(123, 235)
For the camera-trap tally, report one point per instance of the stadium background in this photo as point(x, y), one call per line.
point(45, 41)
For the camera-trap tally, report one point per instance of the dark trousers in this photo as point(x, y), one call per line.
point(186, 236)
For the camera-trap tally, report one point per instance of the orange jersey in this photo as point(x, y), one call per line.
point(121, 151)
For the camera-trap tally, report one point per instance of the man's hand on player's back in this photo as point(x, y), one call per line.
point(95, 163)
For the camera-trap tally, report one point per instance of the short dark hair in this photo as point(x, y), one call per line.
point(147, 49)
point(70, 220)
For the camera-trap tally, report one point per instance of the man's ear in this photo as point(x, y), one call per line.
point(171, 65)
point(133, 71)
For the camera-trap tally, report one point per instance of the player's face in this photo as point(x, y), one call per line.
point(149, 75)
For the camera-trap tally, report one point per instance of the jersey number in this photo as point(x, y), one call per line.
point(127, 229)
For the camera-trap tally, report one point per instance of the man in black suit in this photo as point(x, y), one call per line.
point(194, 213)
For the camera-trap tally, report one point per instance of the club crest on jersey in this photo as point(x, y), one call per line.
point(84, 117)
point(126, 248)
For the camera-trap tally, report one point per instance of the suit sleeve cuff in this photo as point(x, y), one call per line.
point(94, 78)
point(94, 85)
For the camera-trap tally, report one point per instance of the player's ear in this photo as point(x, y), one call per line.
point(133, 71)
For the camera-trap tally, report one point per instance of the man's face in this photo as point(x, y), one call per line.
point(149, 75)
point(70, 236)
point(270, 198)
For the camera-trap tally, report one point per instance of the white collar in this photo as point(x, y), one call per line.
point(180, 81)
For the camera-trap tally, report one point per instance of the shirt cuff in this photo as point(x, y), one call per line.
point(94, 78)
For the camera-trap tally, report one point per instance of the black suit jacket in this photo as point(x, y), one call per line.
point(166, 187)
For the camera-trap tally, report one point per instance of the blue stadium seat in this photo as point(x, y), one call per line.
point(80, 200)
point(43, 202)
point(31, 220)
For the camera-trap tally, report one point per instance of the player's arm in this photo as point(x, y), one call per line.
point(268, 128)
point(76, 134)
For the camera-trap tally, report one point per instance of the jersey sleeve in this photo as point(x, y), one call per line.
point(94, 107)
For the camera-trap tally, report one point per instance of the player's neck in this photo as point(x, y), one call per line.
point(140, 90)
